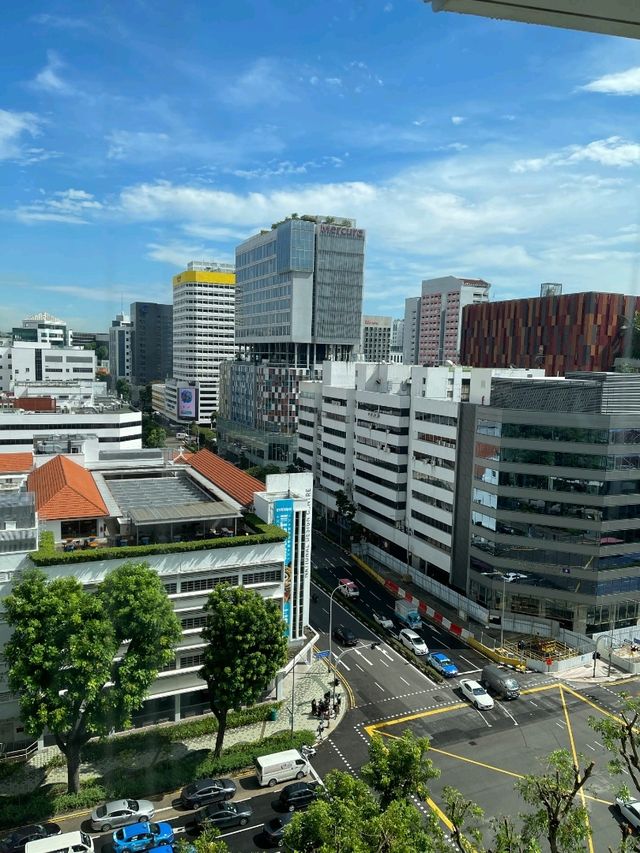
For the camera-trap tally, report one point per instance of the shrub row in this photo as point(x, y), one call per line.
point(397, 646)
point(161, 736)
point(48, 556)
point(51, 801)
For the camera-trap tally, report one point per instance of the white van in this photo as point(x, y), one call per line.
point(182, 435)
point(68, 842)
point(281, 767)
point(413, 641)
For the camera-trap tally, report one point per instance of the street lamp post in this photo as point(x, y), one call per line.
point(333, 592)
point(504, 594)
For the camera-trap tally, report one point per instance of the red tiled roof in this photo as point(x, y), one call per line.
point(15, 463)
point(64, 490)
point(240, 486)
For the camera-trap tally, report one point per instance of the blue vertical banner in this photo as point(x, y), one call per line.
point(283, 517)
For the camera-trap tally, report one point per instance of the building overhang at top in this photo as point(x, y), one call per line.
point(611, 17)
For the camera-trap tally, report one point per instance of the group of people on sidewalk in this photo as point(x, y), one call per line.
point(324, 708)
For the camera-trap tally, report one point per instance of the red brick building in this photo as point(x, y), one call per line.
point(573, 331)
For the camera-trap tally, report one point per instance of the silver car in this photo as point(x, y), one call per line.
point(630, 811)
point(120, 813)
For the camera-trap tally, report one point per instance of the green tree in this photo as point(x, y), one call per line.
point(399, 768)
point(145, 397)
point(553, 795)
point(206, 842)
point(62, 653)
point(621, 737)
point(153, 435)
point(123, 389)
point(349, 818)
point(246, 646)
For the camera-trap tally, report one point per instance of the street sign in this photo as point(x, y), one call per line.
point(320, 655)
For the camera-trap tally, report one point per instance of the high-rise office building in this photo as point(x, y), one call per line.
point(151, 342)
point(441, 305)
point(43, 328)
point(203, 337)
point(120, 356)
point(411, 330)
point(376, 338)
point(298, 302)
point(560, 333)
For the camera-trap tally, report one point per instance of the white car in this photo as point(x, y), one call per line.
point(413, 641)
point(476, 694)
point(511, 577)
point(630, 811)
point(383, 621)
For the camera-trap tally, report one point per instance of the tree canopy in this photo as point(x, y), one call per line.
point(246, 646)
point(62, 653)
point(399, 768)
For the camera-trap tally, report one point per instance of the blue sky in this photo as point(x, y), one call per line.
point(136, 136)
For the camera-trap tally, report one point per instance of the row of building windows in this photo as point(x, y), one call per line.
point(436, 461)
point(432, 522)
point(383, 410)
point(435, 419)
point(381, 481)
point(538, 432)
point(421, 477)
point(377, 497)
point(429, 499)
point(589, 461)
point(437, 439)
point(382, 463)
point(557, 484)
point(327, 461)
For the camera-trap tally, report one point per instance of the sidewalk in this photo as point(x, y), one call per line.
point(311, 682)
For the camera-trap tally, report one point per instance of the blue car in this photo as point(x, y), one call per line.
point(141, 836)
point(443, 665)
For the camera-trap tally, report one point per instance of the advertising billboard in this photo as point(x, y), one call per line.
point(187, 402)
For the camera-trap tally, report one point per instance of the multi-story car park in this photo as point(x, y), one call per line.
point(139, 503)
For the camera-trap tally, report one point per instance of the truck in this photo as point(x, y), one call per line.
point(407, 614)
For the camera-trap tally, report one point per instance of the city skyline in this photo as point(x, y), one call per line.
point(132, 142)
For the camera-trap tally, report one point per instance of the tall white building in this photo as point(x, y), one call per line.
point(120, 350)
point(23, 361)
point(441, 305)
point(386, 435)
point(203, 336)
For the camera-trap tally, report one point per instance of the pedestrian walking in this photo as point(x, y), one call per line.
point(314, 708)
point(320, 730)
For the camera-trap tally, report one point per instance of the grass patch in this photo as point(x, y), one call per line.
point(52, 800)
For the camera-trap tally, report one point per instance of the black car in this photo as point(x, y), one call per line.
point(223, 815)
point(15, 841)
point(274, 829)
point(298, 795)
point(344, 636)
point(206, 791)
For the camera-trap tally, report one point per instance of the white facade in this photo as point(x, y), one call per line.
point(49, 329)
point(203, 331)
point(115, 430)
point(41, 362)
point(386, 435)
point(120, 352)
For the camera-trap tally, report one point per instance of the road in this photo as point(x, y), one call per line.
point(482, 754)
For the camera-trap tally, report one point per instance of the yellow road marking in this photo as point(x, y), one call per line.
point(575, 761)
point(417, 716)
point(439, 813)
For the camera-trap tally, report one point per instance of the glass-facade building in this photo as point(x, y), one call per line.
point(555, 500)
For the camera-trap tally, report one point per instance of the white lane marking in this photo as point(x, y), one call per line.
point(378, 685)
point(165, 809)
point(359, 667)
point(360, 655)
point(482, 717)
point(509, 714)
point(242, 829)
point(324, 610)
point(469, 671)
point(385, 663)
point(598, 743)
point(531, 702)
point(434, 629)
point(386, 654)
point(375, 596)
point(405, 681)
point(342, 663)
point(466, 660)
point(591, 747)
point(560, 725)
point(346, 562)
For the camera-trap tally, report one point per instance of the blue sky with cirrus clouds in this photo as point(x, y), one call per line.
point(137, 136)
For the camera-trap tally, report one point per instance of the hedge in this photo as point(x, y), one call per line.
point(397, 646)
point(166, 776)
point(46, 555)
point(161, 736)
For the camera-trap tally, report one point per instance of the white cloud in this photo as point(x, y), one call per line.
point(13, 127)
point(124, 144)
point(277, 168)
point(621, 83)
point(61, 22)
point(49, 79)
point(458, 119)
point(613, 151)
point(264, 82)
point(71, 206)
